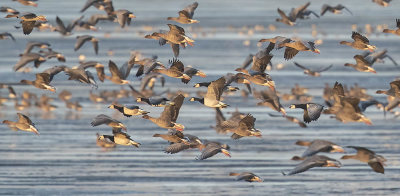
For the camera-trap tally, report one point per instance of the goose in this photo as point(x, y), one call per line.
point(396, 31)
point(28, 21)
point(213, 96)
point(317, 146)
point(375, 161)
point(104, 119)
point(360, 42)
point(212, 148)
point(80, 40)
point(120, 138)
point(23, 123)
point(186, 15)
point(361, 64)
point(128, 110)
point(312, 111)
point(333, 9)
point(169, 116)
point(313, 161)
point(314, 73)
point(246, 176)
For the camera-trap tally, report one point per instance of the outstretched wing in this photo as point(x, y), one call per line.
point(190, 9)
point(358, 37)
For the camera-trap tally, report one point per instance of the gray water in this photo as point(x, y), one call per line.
point(64, 159)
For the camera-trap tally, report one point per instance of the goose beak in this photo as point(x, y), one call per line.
point(367, 121)
point(225, 152)
point(337, 149)
point(186, 77)
point(34, 130)
point(256, 179)
point(283, 111)
point(131, 16)
point(179, 127)
point(317, 51)
point(92, 28)
point(333, 164)
point(201, 74)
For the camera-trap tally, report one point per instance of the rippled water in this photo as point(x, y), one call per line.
point(64, 159)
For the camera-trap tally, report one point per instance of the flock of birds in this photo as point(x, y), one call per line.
point(343, 104)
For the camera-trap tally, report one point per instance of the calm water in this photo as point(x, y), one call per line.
point(64, 159)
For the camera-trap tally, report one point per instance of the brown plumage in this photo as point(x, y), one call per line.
point(27, 58)
point(346, 108)
point(6, 35)
point(188, 142)
point(12, 12)
point(173, 137)
point(394, 90)
point(285, 19)
point(28, 21)
point(104, 142)
point(42, 81)
point(120, 138)
point(80, 40)
point(124, 17)
point(314, 73)
point(169, 116)
point(270, 99)
point(383, 3)
point(361, 64)
point(175, 71)
point(333, 9)
point(395, 31)
point(360, 42)
point(375, 161)
point(23, 123)
point(246, 176)
point(242, 127)
point(292, 48)
point(104, 119)
point(295, 13)
point(175, 35)
point(118, 76)
point(186, 15)
point(175, 47)
point(27, 2)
